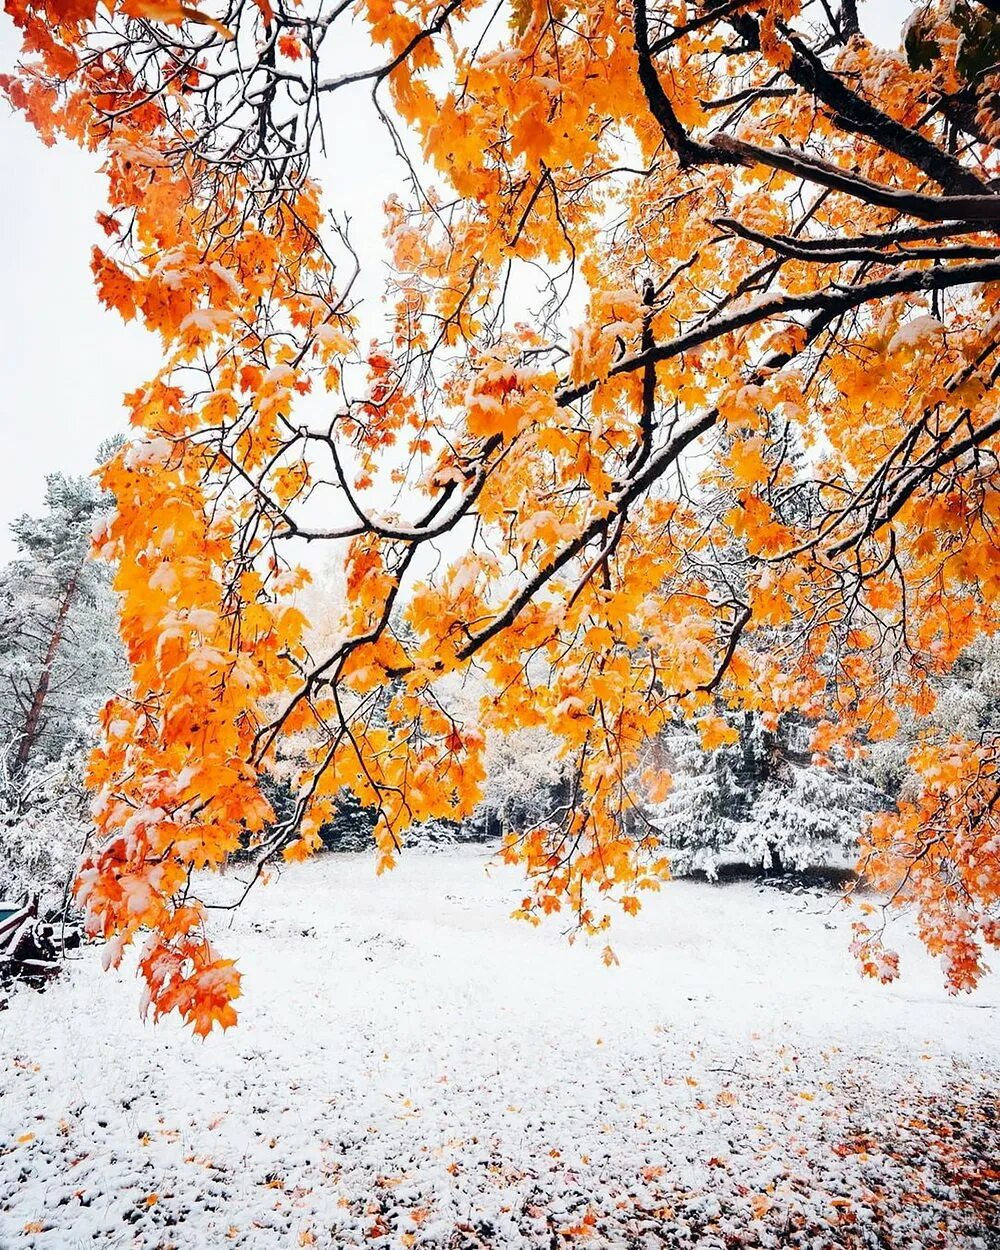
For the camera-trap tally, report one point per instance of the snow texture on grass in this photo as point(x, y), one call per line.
point(412, 1068)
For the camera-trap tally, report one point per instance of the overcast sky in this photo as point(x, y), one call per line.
point(66, 362)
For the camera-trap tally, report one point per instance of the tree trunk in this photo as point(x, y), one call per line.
point(33, 720)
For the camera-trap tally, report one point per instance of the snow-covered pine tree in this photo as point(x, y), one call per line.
point(968, 706)
point(805, 813)
point(60, 655)
point(696, 819)
point(60, 658)
point(351, 828)
point(969, 697)
point(763, 800)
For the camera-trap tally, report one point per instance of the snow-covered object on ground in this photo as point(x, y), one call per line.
point(413, 1069)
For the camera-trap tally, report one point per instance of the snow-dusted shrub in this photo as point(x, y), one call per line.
point(525, 781)
point(44, 824)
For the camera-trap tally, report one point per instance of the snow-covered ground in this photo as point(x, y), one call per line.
point(412, 1068)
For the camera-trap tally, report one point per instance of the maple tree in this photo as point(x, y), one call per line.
point(742, 455)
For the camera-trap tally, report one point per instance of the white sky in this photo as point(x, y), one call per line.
point(66, 361)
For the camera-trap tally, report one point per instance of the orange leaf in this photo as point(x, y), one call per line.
point(173, 13)
point(716, 732)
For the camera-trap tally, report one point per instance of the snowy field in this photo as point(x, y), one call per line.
point(414, 1069)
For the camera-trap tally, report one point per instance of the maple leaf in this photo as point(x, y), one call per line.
point(291, 47)
point(747, 462)
point(716, 732)
point(173, 13)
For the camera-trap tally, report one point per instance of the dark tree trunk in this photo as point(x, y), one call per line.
point(33, 720)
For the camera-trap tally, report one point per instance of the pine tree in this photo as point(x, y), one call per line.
point(352, 826)
point(60, 655)
point(526, 783)
point(764, 800)
point(695, 819)
point(60, 658)
point(967, 705)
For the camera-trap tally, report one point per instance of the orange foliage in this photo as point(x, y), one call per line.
point(757, 472)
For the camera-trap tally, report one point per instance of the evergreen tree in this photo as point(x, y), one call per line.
point(967, 706)
point(60, 658)
point(696, 818)
point(60, 655)
point(352, 826)
point(526, 783)
point(764, 800)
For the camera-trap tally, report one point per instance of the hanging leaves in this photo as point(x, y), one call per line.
point(750, 467)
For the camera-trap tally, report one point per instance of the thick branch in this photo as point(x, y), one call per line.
point(832, 301)
point(687, 150)
point(831, 254)
point(981, 210)
point(852, 112)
